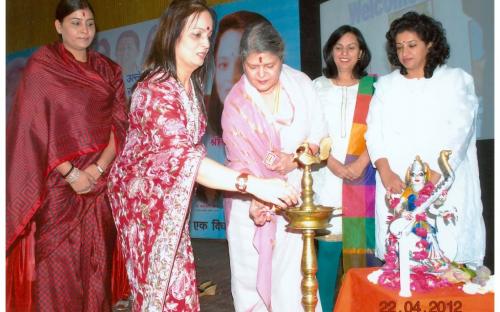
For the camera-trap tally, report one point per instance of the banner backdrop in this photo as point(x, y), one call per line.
point(14, 67)
point(469, 30)
point(128, 46)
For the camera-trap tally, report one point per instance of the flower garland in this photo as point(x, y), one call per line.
point(421, 277)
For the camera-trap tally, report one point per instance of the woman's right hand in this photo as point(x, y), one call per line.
point(391, 181)
point(275, 191)
point(83, 184)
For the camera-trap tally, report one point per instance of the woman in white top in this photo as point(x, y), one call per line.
point(348, 181)
point(420, 109)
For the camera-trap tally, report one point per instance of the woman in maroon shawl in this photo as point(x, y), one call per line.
point(67, 123)
point(151, 183)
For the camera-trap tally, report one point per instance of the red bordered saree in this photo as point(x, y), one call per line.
point(64, 111)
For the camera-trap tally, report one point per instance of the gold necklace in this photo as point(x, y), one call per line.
point(276, 104)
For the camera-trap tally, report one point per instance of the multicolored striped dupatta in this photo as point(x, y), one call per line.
point(358, 196)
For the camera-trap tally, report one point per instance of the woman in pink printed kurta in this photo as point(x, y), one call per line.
point(151, 183)
point(157, 170)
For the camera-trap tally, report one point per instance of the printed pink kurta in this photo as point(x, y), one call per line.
point(150, 188)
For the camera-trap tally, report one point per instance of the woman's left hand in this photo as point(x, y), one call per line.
point(83, 184)
point(355, 170)
point(260, 212)
point(93, 172)
point(285, 164)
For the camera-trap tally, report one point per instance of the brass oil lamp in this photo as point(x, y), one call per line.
point(308, 218)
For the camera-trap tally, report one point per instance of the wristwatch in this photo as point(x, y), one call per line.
point(241, 182)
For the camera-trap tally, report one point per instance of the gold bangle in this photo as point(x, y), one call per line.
point(242, 182)
point(99, 168)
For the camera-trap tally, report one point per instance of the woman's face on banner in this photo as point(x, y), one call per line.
point(14, 72)
point(127, 53)
point(263, 70)
point(227, 62)
point(103, 47)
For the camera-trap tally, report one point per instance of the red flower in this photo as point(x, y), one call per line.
point(420, 255)
point(424, 193)
point(394, 202)
point(420, 217)
point(419, 269)
point(422, 244)
point(393, 239)
point(420, 231)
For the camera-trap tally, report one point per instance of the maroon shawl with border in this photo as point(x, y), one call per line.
point(64, 109)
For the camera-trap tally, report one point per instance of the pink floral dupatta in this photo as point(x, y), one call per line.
point(248, 136)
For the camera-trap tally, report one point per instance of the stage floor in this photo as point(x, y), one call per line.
point(212, 264)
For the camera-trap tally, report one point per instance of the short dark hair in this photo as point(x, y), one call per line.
point(428, 30)
point(261, 37)
point(161, 57)
point(66, 7)
point(359, 71)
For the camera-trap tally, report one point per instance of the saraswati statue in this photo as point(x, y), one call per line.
point(419, 251)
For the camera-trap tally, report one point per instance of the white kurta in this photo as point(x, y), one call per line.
point(410, 117)
point(338, 104)
point(307, 125)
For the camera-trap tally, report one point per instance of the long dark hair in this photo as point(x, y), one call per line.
point(235, 21)
point(161, 57)
point(359, 70)
point(428, 30)
point(66, 7)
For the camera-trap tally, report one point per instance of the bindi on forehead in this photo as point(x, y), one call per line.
point(406, 42)
point(260, 59)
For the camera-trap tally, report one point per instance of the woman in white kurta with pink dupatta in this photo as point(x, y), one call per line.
point(269, 112)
